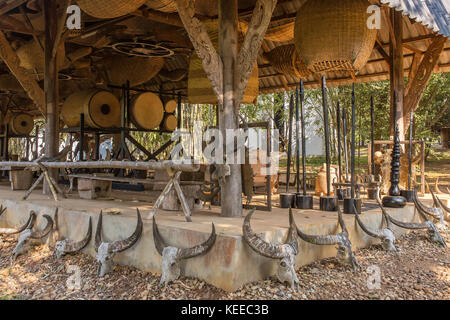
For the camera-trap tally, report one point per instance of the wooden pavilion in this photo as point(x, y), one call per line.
point(412, 43)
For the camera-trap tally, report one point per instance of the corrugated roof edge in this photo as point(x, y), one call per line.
point(429, 16)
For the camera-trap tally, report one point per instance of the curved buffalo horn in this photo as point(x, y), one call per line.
point(374, 234)
point(427, 210)
point(98, 232)
point(324, 240)
point(200, 249)
point(184, 253)
point(383, 210)
point(45, 231)
point(438, 203)
point(443, 206)
point(72, 246)
point(28, 225)
point(436, 186)
point(268, 250)
point(122, 245)
point(159, 242)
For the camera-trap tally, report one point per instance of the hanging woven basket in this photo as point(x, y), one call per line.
point(107, 9)
point(286, 60)
point(32, 56)
point(167, 6)
point(135, 69)
point(199, 87)
point(332, 35)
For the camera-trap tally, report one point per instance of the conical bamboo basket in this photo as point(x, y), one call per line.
point(332, 35)
point(135, 69)
point(106, 9)
point(286, 60)
point(199, 87)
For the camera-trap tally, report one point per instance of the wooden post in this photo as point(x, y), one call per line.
point(231, 195)
point(51, 86)
point(396, 71)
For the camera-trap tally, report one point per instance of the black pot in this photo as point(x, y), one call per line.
point(408, 195)
point(287, 200)
point(328, 204)
point(304, 202)
point(351, 204)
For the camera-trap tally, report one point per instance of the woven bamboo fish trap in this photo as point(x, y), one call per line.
point(286, 60)
point(167, 6)
point(21, 124)
point(137, 70)
point(106, 9)
point(332, 35)
point(146, 111)
point(101, 109)
point(199, 87)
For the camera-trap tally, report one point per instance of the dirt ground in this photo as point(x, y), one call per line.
point(420, 271)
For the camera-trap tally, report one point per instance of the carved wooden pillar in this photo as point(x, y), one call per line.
point(231, 197)
point(51, 86)
point(396, 70)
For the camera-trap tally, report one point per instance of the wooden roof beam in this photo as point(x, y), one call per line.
point(22, 75)
point(11, 6)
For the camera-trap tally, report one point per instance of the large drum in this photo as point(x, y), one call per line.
point(21, 124)
point(146, 111)
point(101, 109)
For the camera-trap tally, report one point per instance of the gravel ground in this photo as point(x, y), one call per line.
point(420, 271)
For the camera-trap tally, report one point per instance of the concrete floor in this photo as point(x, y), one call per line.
point(230, 263)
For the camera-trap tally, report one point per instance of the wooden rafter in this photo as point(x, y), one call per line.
point(22, 75)
point(212, 63)
point(11, 5)
point(254, 37)
point(417, 84)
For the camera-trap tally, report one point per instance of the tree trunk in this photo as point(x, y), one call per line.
point(231, 196)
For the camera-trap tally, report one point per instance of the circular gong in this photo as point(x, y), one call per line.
point(170, 122)
point(21, 124)
point(171, 106)
point(147, 111)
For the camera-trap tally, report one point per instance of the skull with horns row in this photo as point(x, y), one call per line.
point(107, 250)
point(286, 252)
point(171, 256)
point(28, 234)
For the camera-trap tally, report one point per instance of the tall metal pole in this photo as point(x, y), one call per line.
point(287, 199)
point(288, 173)
point(344, 129)
point(372, 135)
point(352, 205)
point(327, 203)
point(352, 192)
point(297, 133)
point(338, 119)
point(303, 201)
point(409, 194)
